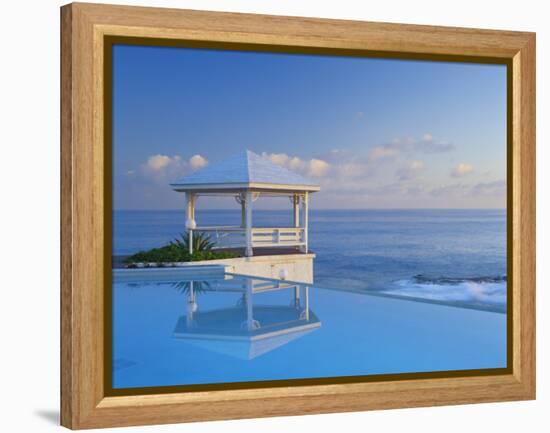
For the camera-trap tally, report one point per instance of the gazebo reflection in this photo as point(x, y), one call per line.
point(248, 328)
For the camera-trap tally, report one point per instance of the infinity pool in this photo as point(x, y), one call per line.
point(173, 327)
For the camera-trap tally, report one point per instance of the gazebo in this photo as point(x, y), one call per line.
point(247, 177)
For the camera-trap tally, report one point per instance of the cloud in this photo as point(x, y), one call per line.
point(436, 147)
point(409, 146)
point(484, 189)
point(495, 188)
point(427, 144)
point(342, 169)
point(318, 167)
point(352, 169)
point(410, 170)
point(462, 169)
point(450, 191)
point(382, 152)
point(156, 163)
point(163, 168)
point(338, 156)
point(314, 167)
point(197, 161)
point(277, 158)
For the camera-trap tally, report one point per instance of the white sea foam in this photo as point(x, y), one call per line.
point(469, 291)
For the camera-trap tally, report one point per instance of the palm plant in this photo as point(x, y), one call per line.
point(201, 242)
point(184, 287)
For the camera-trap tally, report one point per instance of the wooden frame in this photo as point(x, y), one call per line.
point(83, 220)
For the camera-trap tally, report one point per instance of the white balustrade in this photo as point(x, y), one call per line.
point(235, 237)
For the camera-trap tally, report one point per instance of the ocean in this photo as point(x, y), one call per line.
point(450, 256)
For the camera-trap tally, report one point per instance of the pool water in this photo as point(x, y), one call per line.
point(171, 327)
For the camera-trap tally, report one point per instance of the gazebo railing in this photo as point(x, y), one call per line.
point(274, 237)
point(235, 237)
point(225, 236)
point(240, 285)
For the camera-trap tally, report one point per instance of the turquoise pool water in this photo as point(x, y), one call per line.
point(173, 328)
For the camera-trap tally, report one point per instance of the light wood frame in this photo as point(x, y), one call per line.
point(83, 220)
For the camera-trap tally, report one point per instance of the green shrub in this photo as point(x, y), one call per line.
point(178, 251)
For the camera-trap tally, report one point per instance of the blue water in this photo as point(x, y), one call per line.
point(173, 329)
point(457, 257)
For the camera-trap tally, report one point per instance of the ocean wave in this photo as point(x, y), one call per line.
point(486, 291)
point(426, 279)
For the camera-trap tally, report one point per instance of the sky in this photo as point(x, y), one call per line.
point(373, 133)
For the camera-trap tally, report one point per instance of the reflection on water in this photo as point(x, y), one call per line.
point(244, 329)
point(186, 327)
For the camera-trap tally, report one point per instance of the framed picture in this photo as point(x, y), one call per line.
point(270, 216)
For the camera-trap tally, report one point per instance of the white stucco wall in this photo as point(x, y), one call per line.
point(298, 267)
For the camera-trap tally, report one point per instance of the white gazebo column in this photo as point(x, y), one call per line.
point(243, 211)
point(297, 296)
point(306, 290)
point(305, 199)
point(191, 305)
point(296, 203)
point(190, 223)
point(249, 305)
point(248, 224)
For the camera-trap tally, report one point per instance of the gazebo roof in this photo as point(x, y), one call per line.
point(247, 170)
